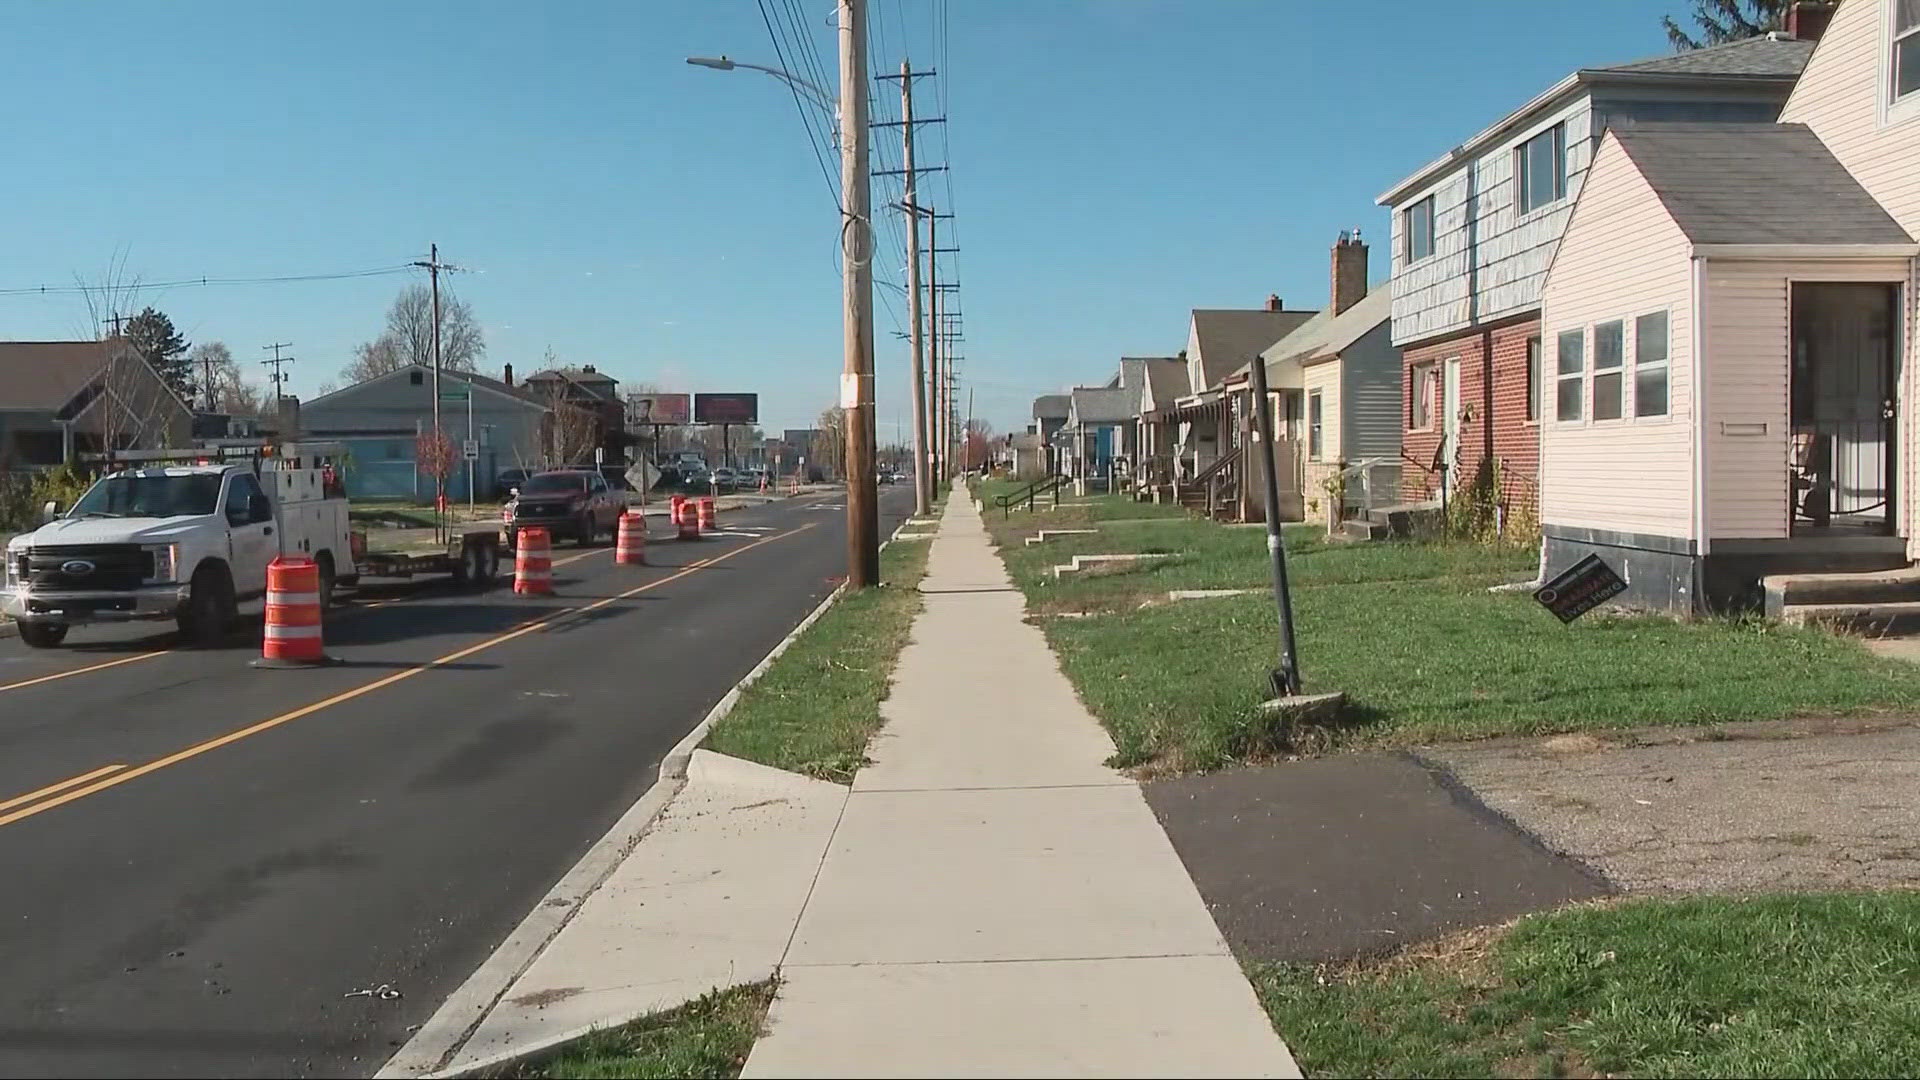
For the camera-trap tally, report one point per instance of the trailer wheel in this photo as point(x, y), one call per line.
point(489, 564)
point(463, 567)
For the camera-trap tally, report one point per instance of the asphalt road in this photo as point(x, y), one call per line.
point(203, 859)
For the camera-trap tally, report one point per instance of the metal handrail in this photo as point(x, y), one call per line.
point(1042, 486)
point(1364, 470)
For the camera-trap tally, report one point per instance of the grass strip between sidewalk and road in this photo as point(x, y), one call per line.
point(709, 1037)
point(816, 707)
point(1410, 632)
point(1774, 986)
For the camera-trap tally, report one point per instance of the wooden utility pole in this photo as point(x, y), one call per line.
point(922, 470)
point(433, 266)
point(277, 379)
point(856, 250)
point(937, 448)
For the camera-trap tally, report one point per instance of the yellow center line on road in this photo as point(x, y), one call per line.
point(120, 776)
point(82, 671)
point(24, 683)
point(61, 786)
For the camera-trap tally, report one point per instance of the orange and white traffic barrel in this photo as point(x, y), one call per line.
point(708, 522)
point(630, 547)
point(293, 634)
point(687, 519)
point(533, 563)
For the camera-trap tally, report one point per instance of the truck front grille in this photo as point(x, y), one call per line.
point(88, 566)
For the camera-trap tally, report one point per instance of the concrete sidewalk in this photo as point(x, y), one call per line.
point(987, 898)
point(994, 900)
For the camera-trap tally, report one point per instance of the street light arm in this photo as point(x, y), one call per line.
point(723, 63)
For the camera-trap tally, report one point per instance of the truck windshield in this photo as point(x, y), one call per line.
point(150, 495)
point(554, 484)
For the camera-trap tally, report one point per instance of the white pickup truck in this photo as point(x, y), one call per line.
point(187, 540)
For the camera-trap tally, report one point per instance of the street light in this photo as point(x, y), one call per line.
point(726, 63)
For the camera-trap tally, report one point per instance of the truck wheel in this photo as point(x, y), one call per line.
point(584, 535)
point(327, 579)
point(42, 635)
point(210, 607)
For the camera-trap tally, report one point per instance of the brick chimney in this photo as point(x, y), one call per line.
point(506, 375)
point(1273, 302)
point(1808, 19)
point(1349, 272)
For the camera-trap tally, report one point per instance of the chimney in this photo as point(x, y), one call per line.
point(1273, 302)
point(506, 375)
point(1808, 19)
point(1349, 272)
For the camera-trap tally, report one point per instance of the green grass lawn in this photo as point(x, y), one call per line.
point(1799, 986)
point(1411, 634)
point(816, 707)
point(706, 1038)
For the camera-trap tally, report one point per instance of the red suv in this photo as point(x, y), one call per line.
point(575, 503)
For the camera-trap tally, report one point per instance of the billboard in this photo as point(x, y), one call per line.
point(726, 408)
point(658, 408)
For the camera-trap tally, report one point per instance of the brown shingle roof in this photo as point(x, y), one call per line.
point(44, 375)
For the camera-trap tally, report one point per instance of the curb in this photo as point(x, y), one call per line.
point(427, 1053)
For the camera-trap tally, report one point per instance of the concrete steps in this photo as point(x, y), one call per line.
point(1084, 563)
point(1868, 597)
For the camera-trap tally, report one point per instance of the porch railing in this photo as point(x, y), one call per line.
point(1375, 489)
point(1046, 485)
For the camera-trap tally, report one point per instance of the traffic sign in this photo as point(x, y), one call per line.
point(470, 449)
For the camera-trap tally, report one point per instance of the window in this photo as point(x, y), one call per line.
point(1906, 48)
point(1541, 165)
point(1609, 386)
point(1533, 379)
point(417, 378)
point(1416, 225)
point(1571, 364)
point(1316, 442)
point(240, 492)
point(1420, 398)
point(1650, 365)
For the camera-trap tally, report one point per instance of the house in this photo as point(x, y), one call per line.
point(1098, 435)
point(1030, 456)
point(1050, 413)
point(1208, 429)
point(1473, 233)
point(598, 394)
point(1730, 324)
point(59, 398)
point(381, 418)
point(1164, 382)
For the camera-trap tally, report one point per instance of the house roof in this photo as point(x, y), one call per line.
point(45, 375)
point(1756, 184)
point(1103, 405)
point(1166, 382)
point(1764, 56)
point(593, 381)
point(1228, 338)
point(1323, 337)
point(1052, 406)
point(495, 385)
point(1762, 61)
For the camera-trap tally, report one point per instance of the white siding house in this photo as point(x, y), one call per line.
point(1720, 360)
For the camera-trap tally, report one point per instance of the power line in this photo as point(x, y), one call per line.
point(819, 157)
point(54, 290)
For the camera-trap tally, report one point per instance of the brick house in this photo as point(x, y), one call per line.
point(1475, 230)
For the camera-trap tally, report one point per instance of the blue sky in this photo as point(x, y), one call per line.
point(1115, 163)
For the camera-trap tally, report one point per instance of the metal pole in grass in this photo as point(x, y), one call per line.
point(1285, 678)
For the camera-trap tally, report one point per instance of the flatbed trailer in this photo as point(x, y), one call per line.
point(470, 555)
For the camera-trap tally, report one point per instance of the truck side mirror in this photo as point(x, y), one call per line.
point(49, 511)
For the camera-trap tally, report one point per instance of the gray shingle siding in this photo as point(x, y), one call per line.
point(1370, 396)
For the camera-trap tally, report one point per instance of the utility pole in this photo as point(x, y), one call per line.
point(433, 266)
point(922, 467)
point(967, 431)
point(277, 379)
point(856, 250)
point(206, 381)
point(118, 320)
point(937, 452)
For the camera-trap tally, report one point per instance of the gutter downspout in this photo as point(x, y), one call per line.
point(1697, 288)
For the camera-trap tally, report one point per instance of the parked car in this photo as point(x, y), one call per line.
point(725, 477)
point(577, 504)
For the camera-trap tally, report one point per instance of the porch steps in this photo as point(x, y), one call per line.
point(1384, 522)
point(1871, 596)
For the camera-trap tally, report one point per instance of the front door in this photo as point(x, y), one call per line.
point(253, 543)
point(1845, 368)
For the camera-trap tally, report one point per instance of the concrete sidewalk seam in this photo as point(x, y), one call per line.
point(1091, 958)
point(441, 1038)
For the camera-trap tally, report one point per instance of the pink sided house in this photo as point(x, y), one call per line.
point(1729, 345)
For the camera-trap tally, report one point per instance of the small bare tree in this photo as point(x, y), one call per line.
point(127, 407)
point(408, 337)
point(568, 433)
point(829, 449)
point(223, 387)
